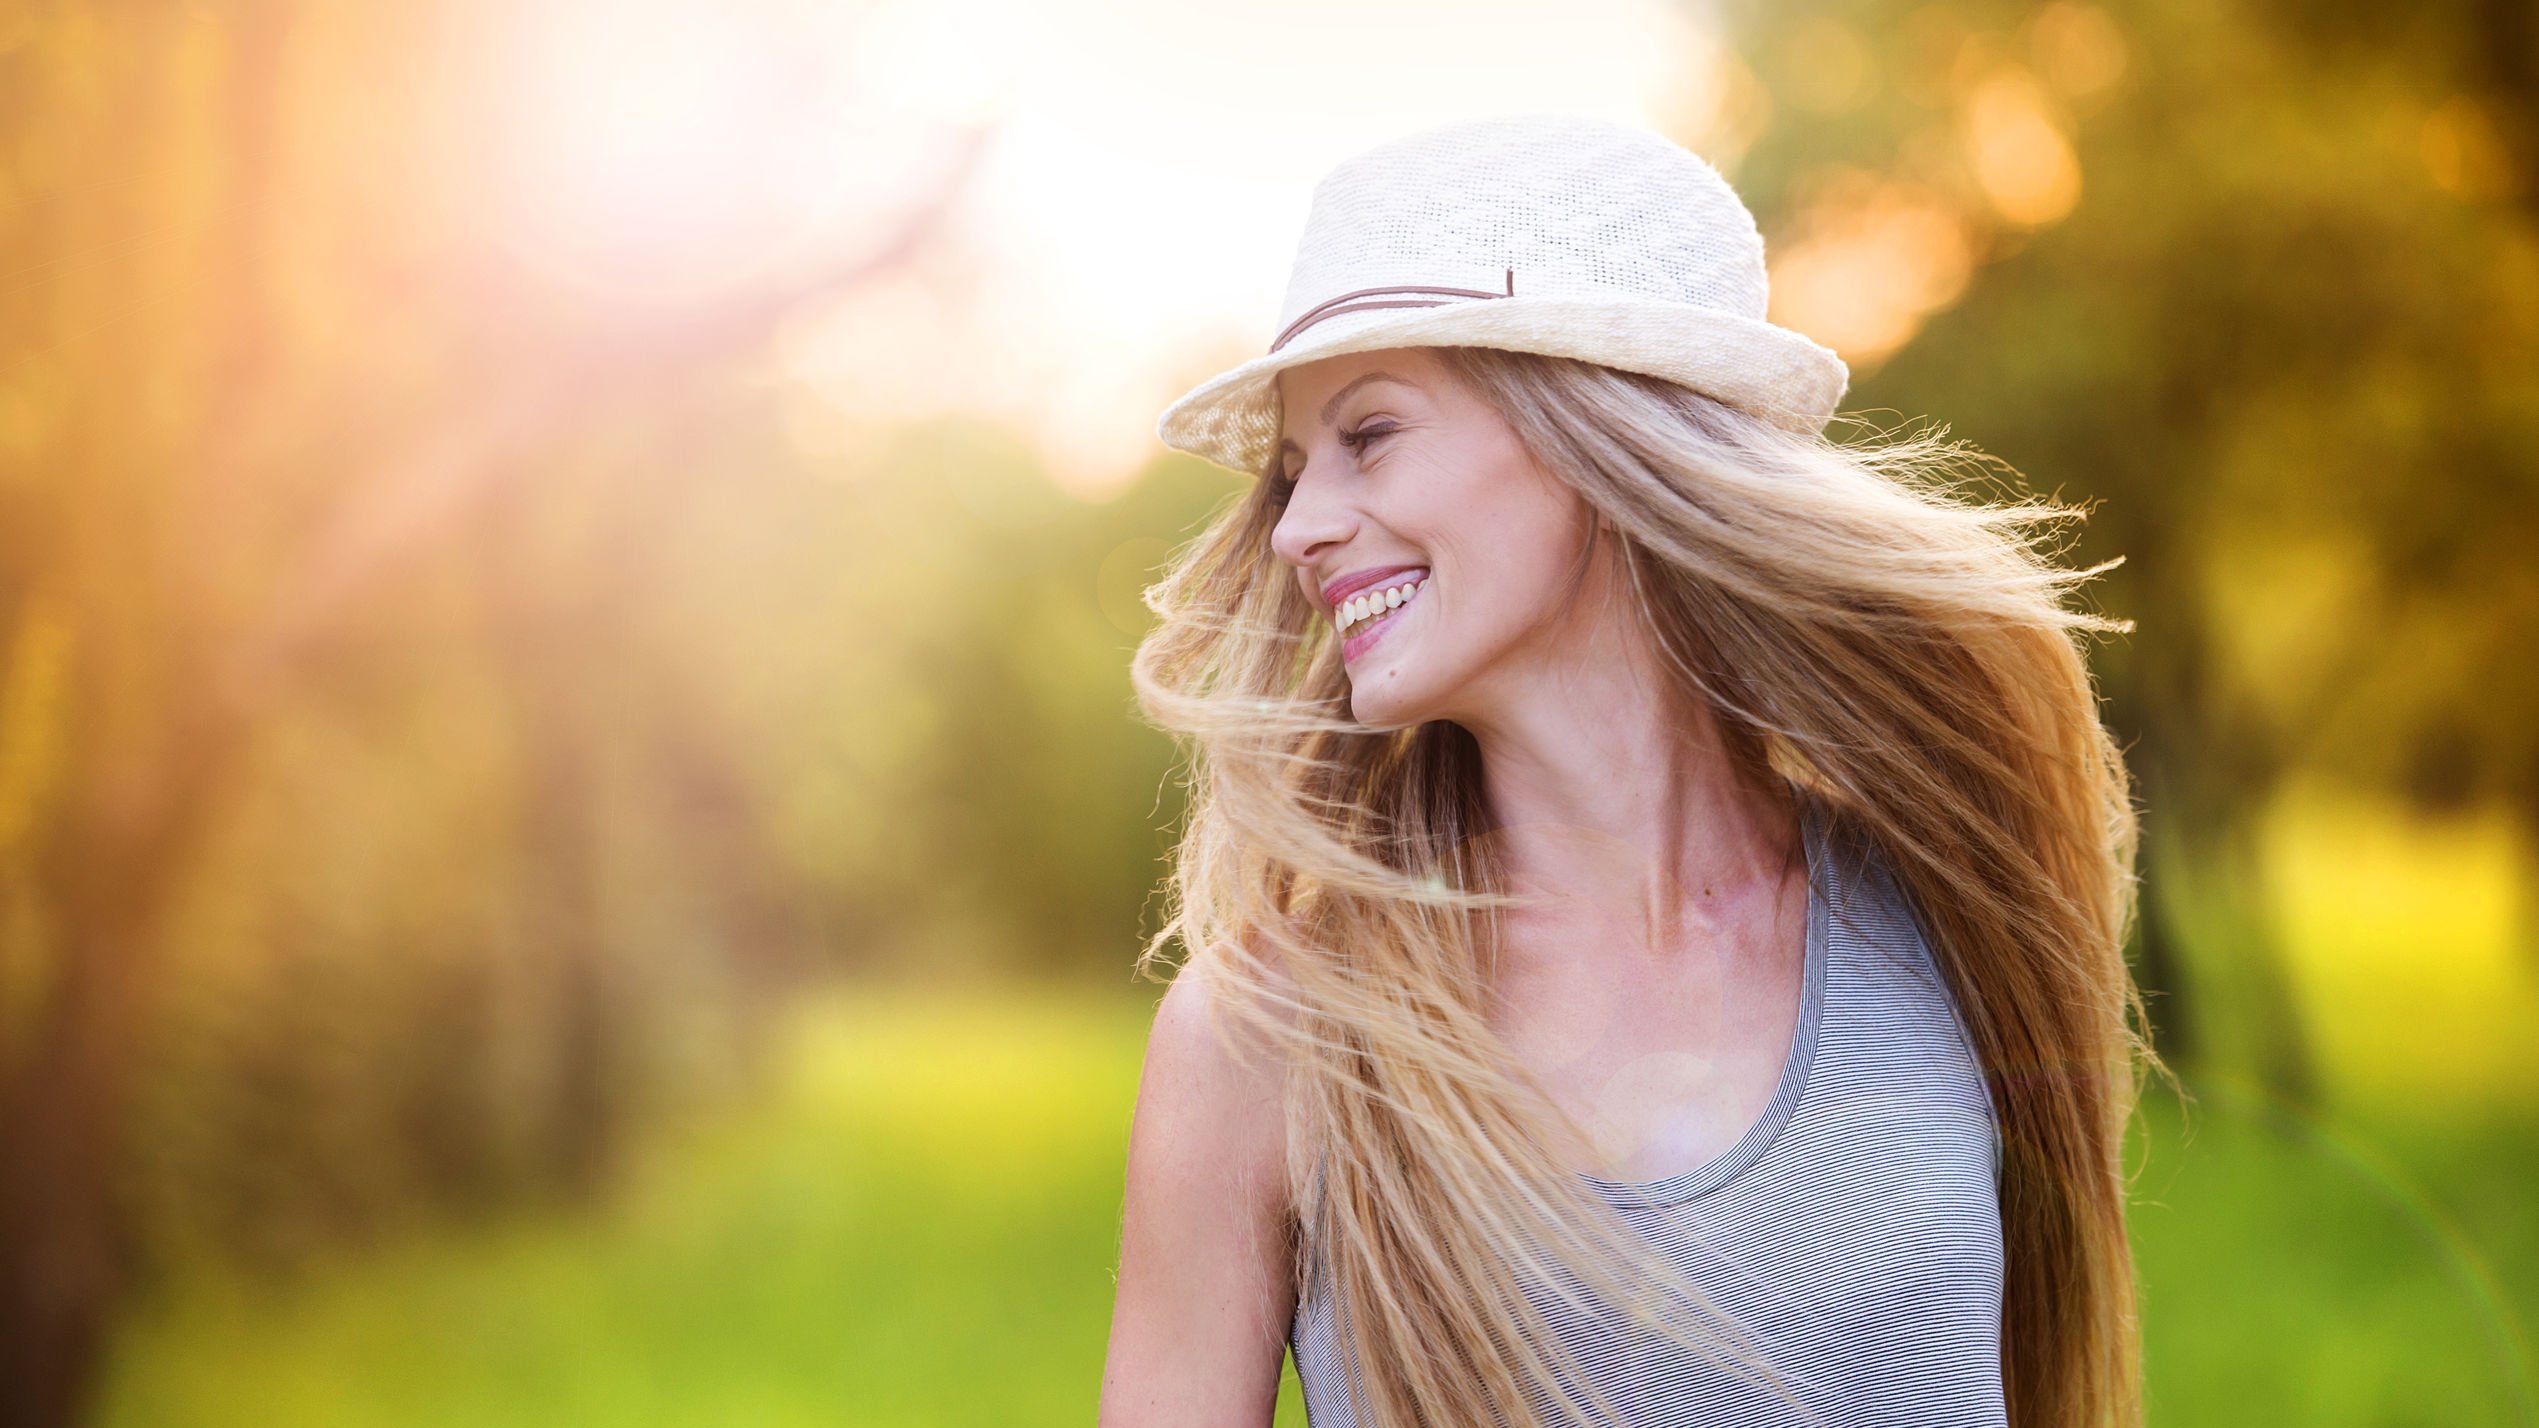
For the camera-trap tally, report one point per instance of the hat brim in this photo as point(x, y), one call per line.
point(1232, 419)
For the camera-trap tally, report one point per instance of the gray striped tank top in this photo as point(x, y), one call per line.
point(1853, 1230)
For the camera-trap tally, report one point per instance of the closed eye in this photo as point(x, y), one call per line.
point(1359, 436)
point(1283, 485)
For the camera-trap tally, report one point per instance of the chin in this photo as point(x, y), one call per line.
point(1383, 701)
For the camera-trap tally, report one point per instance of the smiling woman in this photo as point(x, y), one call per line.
point(1656, 878)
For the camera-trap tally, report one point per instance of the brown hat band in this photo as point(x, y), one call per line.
point(1345, 303)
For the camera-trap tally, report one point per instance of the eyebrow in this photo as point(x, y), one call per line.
point(1331, 409)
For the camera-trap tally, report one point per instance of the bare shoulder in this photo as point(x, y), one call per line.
point(1199, 995)
point(1199, 1320)
point(1214, 1077)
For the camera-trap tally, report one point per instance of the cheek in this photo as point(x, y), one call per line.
point(1505, 569)
point(1512, 531)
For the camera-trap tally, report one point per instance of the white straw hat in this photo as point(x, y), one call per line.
point(1558, 234)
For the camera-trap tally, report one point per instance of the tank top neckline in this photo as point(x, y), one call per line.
point(1727, 1165)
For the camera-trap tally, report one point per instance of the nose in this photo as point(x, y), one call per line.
point(1317, 515)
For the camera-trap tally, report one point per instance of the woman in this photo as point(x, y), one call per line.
point(1655, 879)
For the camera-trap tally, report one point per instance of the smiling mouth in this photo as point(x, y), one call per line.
point(1356, 612)
point(1363, 621)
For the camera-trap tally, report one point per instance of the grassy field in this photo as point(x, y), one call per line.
point(917, 1227)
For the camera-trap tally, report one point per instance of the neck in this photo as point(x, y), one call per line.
point(1617, 806)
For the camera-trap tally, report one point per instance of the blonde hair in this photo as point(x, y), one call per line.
point(1863, 634)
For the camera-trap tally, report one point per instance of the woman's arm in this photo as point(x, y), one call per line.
point(1199, 1320)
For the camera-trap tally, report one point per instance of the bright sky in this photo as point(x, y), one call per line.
point(1132, 230)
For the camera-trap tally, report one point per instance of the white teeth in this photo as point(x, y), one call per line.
point(1375, 602)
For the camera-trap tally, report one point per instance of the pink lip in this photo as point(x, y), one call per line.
point(1342, 587)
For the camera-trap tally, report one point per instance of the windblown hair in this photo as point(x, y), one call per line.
point(1864, 633)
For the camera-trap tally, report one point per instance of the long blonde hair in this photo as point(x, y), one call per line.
point(1864, 633)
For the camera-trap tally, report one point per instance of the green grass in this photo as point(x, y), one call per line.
point(2334, 1270)
point(918, 1225)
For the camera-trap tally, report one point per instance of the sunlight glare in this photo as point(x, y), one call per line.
point(1140, 204)
point(668, 149)
point(1872, 258)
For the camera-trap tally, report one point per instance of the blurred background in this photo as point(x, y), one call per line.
point(572, 829)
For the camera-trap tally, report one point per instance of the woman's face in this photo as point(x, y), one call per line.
point(1391, 466)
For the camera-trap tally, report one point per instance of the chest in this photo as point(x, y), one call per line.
point(1662, 1062)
